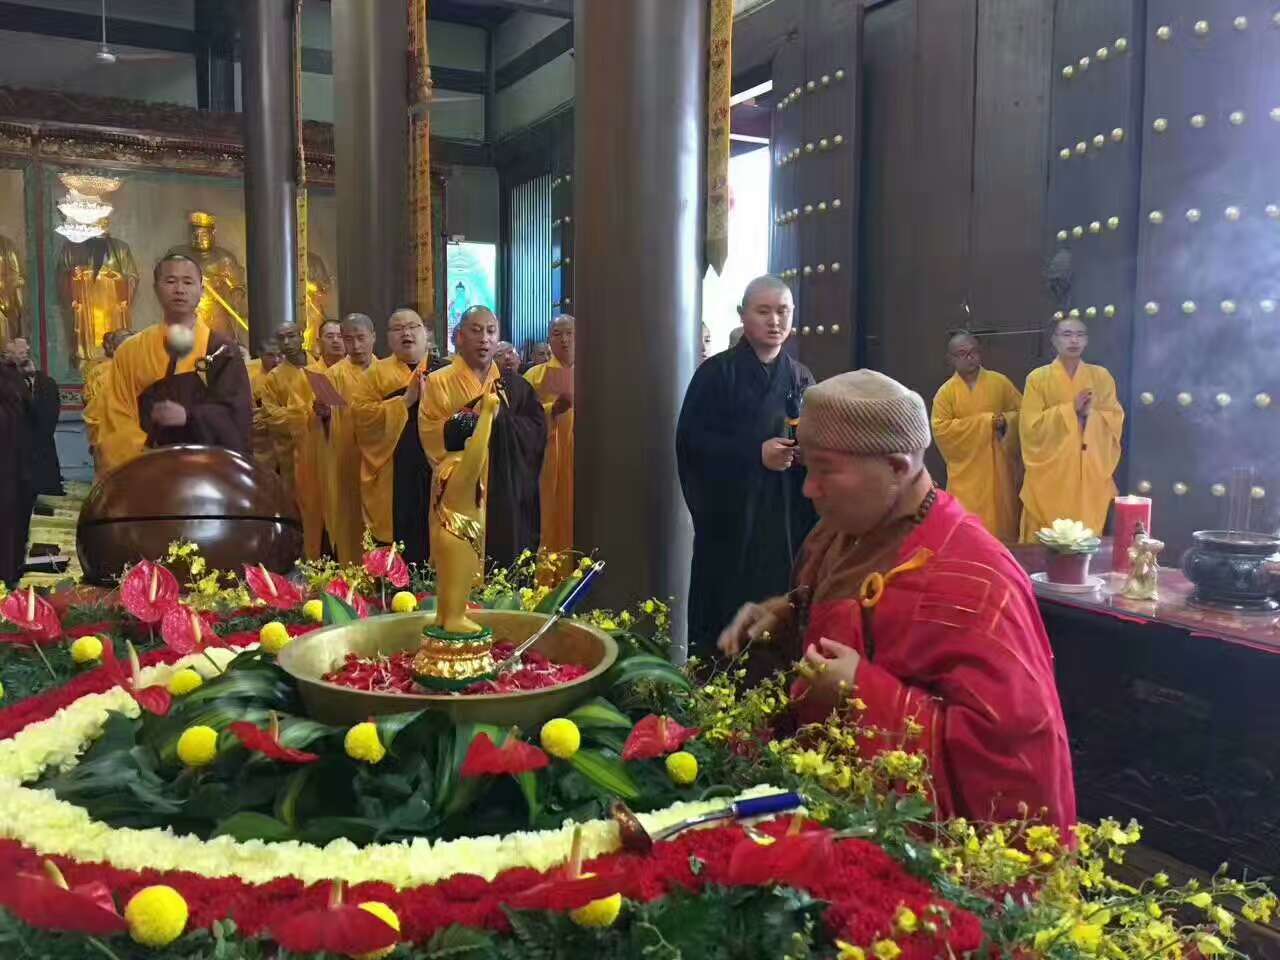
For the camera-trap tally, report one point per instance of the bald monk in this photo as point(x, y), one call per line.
point(343, 512)
point(264, 449)
point(951, 639)
point(975, 424)
point(507, 358)
point(395, 477)
point(516, 444)
point(1070, 426)
point(289, 408)
point(556, 488)
point(177, 381)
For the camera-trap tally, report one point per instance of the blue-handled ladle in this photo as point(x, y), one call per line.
point(567, 606)
point(636, 838)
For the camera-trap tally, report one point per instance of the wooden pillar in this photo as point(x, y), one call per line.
point(640, 129)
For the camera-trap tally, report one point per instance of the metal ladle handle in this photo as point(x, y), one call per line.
point(566, 607)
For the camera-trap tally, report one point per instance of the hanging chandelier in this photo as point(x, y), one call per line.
point(83, 209)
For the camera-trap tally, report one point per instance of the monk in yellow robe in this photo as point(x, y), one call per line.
point(95, 386)
point(175, 382)
point(975, 424)
point(1070, 427)
point(289, 407)
point(516, 443)
point(555, 392)
point(395, 476)
point(264, 445)
point(343, 513)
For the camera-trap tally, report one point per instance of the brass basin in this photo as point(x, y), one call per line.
point(309, 658)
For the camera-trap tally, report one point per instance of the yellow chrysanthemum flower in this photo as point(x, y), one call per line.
point(198, 746)
point(404, 602)
point(156, 916)
point(387, 916)
point(598, 913)
point(682, 768)
point(184, 681)
point(363, 743)
point(274, 637)
point(313, 610)
point(906, 921)
point(886, 950)
point(86, 649)
point(561, 737)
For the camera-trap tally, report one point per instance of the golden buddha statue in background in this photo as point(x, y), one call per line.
point(12, 292)
point(319, 284)
point(224, 306)
point(97, 280)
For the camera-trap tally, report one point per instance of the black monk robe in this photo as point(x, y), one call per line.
point(45, 405)
point(748, 521)
point(15, 473)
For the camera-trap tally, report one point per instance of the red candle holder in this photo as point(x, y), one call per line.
point(1129, 512)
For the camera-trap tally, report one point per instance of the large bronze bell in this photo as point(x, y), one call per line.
point(235, 510)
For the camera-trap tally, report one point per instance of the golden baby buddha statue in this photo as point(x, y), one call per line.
point(224, 305)
point(456, 651)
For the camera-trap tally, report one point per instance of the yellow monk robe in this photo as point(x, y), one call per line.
point(288, 408)
point(141, 361)
point(264, 448)
point(95, 388)
point(380, 417)
point(343, 514)
point(982, 466)
point(1069, 470)
point(557, 467)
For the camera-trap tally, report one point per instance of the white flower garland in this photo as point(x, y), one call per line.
point(40, 821)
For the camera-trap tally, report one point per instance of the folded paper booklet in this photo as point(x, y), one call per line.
point(324, 389)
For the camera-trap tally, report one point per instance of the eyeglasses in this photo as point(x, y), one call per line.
point(406, 329)
point(966, 354)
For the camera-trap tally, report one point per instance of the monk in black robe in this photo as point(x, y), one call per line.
point(177, 381)
point(15, 481)
point(44, 404)
point(736, 454)
point(517, 443)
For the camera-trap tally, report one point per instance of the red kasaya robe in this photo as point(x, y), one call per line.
point(958, 646)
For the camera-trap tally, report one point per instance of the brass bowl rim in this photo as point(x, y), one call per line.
point(288, 654)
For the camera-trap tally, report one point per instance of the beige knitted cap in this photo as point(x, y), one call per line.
point(863, 411)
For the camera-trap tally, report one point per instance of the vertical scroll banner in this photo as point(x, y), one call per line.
point(420, 160)
point(719, 91)
point(300, 191)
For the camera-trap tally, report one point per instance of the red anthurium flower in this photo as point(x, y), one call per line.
point(148, 590)
point(656, 737)
point(386, 562)
point(153, 699)
point(795, 860)
point(513, 757)
point(33, 615)
point(271, 588)
point(348, 595)
point(185, 631)
point(344, 929)
point(267, 742)
point(567, 893)
point(47, 903)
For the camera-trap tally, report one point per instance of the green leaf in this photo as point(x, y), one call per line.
point(529, 787)
point(456, 941)
point(453, 794)
point(551, 602)
point(599, 713)
point(253, 826)
point(321, 830)
point(644, 666)
point(286, 803)
point(609, 775)
point(506, 601)
point(337, 612)
point(390, 724)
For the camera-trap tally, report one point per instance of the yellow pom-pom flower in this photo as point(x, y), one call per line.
point(598, 913)
point(274, 637)
point(387, 916)
point(198, 746)
point(906, 921)
point(363, 743)
point(313, 610)
point(561, 738)
point(184, 681)
point(682, 768)
point(886, 950)
point(404, 602)
point(156, 916)
point(86, 649)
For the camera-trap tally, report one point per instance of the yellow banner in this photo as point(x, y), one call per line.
point(424, 289)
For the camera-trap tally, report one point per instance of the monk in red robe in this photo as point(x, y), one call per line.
point(905, 601)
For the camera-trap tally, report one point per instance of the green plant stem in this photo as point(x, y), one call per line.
point(47, 665)
point(103, 948)
point(217, 670)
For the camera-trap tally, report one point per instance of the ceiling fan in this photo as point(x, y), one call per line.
point(104, 56)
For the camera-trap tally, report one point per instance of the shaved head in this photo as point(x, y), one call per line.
point(357, 321)
point(763, 285)
point(357, 337)
point(964, 354)
point(562, 339)
point(290, 339)
point(767, 312)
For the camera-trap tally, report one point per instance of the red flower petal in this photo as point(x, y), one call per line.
point(262, 742)
point(339, 589)
point(344, 930)
point(148, 590)
point(793, 861)
point(271, 588)
point(41, 903)
point(386, 562)
point(33, 615)
point(515, 756)
point(184, 630)
point(656, 736)
point(564, 894)
point(153, 699)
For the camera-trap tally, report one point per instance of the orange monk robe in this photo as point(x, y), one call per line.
point(379, 418)
point(557, 468)
point(95, 388)
point(982, 465)
point(264, 449)
point(340, 473)
point(1069, 469)
point(288, 408)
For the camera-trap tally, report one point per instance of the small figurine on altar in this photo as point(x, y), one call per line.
point(1143, 582)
